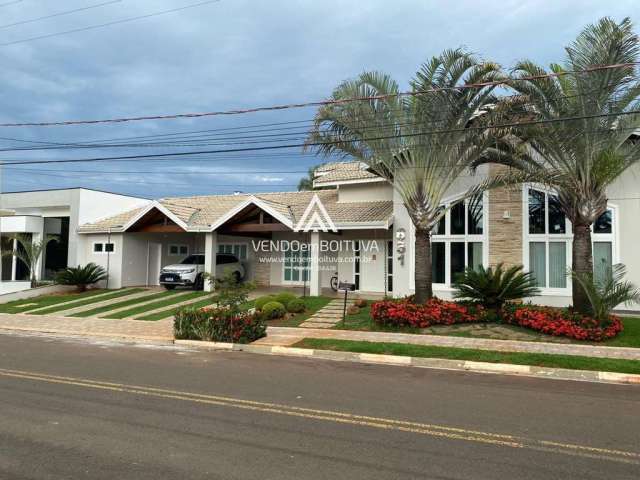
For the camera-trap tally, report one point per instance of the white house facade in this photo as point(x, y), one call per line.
point(370, 242)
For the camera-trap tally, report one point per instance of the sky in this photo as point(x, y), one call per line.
point(230, 54)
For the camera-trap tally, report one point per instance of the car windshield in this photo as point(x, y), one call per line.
point(193, 260)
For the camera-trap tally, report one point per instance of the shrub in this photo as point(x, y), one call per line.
point(232, 294)
point(260, 302)
point(218, 325)
point(493, 287)
point(360, 302)
point(296, 306)
point(81, 277)
point(561, 322)
point(405, 313)
point(284, 297)
point(273, 310)
point(605, 294)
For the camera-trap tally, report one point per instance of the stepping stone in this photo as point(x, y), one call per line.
point(316, 325)
point(322, 320)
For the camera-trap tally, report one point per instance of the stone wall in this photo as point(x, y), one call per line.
point(261, 272)
point(505, 224)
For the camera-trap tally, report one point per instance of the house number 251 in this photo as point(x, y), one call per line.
point(401, 244)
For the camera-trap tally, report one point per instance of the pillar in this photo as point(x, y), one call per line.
point(314, 265)
point(210, 252)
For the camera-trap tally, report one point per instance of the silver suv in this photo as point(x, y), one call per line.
point(189, 272)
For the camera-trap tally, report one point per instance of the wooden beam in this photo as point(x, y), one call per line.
point(171, 228)
point(256, 227)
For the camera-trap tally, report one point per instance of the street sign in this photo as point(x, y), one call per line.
point(347, 287)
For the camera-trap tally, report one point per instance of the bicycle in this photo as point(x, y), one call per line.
point(334, 282)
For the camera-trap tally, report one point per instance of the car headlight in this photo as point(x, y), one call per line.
point(189, 271)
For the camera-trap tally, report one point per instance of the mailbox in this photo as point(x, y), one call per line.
point(347, 287)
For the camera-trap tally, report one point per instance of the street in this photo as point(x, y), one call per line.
point(80, 409)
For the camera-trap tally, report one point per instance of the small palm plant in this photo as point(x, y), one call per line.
point(81, 277)
point(29, 253)
point(607, 293)
point(493, 287)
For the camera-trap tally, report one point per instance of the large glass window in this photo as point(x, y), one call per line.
point(457, 240)
point(549, 239)
point(296, 266)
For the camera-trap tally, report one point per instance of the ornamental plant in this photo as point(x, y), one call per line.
point(492, 287)
point(218, 325)
point(81, 277)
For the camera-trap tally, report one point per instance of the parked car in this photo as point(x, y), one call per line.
point(189, 272)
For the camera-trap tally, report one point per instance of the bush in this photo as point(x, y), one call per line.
point(561, 322)
point(492, 288)
point(360, 302)
point(260, 302)
point(273, 310)
point(218, 325)
point(284, 298)
point(232, 294)
point(405, 313)
point(81, 277)
point(296, 306)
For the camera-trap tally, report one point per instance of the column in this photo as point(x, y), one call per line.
point(35, 238)
point(314, 265)
point(210, 251)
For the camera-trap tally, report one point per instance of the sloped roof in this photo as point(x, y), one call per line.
point(338, 172)
point(201, 212)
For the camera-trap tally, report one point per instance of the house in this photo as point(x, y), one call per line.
point(354, 227)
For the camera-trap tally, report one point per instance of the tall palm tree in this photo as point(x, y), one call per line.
point(579, 159)
point(30, 252)
point(389, 134)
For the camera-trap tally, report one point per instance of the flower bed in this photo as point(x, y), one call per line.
point(218, 325)
point(560, 322)
point(548, 320)
point(405, 313)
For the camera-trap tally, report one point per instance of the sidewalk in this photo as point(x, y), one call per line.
point(287, 336)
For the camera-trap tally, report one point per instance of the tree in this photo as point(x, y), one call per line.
point(390, 134)
point(82, 277)
point(579, 159)
point(306, 183)
point(29, 252)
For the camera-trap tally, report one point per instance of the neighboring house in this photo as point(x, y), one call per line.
point(373, 245)
point(56, 212)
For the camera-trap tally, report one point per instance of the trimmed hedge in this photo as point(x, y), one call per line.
point(284, 297)
point(273, 310)
point(260, 302)
point(218, 325)
point(296, 305)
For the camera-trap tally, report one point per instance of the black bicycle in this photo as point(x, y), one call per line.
point(334, 282)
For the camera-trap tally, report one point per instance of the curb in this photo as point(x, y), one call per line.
point(419, 362)
point(155, 340)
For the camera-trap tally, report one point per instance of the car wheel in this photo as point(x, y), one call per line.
point(169, 287)
point(237, 276)
point(199, 283)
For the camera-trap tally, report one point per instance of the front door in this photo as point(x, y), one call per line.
point(296, 267)
point(154, 263)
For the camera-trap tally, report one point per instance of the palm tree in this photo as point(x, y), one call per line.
point(389, 135)
point(30, 253)
point(580, 159)
point(306, 183)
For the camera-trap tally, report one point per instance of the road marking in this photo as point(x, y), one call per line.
point(441, 431)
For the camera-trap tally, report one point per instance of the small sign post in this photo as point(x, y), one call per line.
point(346, 287)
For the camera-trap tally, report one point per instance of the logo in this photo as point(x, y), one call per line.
point(315, 218)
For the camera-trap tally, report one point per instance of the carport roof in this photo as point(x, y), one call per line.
point(200, 213)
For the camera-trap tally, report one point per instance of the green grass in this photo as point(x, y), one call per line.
point(125, 303)
point(629, 337)
point(141, 309)
point(21, 306)
point(89, 301)
point(169, 312)
point(313, 304)
point(452, 353)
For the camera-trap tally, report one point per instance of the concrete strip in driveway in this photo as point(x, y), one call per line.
point(166, 307)
point(289, 335)
point(70, 303)
point(91, 306)
point(142, 304)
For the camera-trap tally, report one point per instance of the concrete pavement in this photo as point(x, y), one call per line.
point(74, 409)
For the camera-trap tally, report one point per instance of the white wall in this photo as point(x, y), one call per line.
point(365, 192)
point(111, 262)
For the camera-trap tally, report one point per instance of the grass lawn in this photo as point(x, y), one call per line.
point(141, 309)
point(124, 303)
point(629, 337)
point(90, 300)
point(313, 304)
point(21, 306)
point(451, 353)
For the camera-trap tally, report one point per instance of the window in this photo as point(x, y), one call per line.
point(106, 247)
point(389, 266)
point(237, 249)
point(178, 250)
point(548, 241)
point(356, 264)
point(296, 266)
point(457, 241)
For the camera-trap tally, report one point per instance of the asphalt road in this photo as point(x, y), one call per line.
point(72, 410)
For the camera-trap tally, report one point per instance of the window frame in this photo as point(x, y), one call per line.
point(221, 245)
point(103, 246)
point(178, 246)
point(447, 238)
point(567, 238)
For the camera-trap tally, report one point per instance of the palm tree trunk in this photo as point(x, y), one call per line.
point(582, 263)
point(424, 289)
